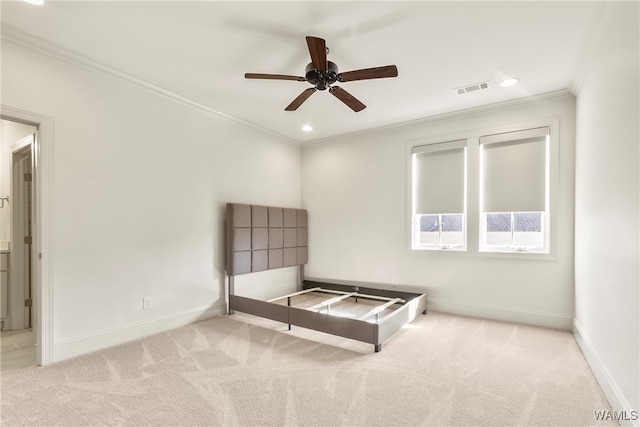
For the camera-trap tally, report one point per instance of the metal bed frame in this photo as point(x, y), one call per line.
point(248, 250)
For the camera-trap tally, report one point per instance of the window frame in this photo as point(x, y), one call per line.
point(472, 214)
point(546, 217)
point(435, 146)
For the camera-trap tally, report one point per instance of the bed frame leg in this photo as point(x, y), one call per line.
point(301, 277)
point(289, 305)
point(231, 291)
point(378, 348)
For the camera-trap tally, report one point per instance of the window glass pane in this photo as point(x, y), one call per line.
point(429, 230)
point(497, 222)
point(498, 227)
point(527, 221)
point(429, 223)
point(452, 230)
point(452, 222)
point(527, 229)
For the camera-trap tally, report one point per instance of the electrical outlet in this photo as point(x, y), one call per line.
point(146, 303)
point(394, 282)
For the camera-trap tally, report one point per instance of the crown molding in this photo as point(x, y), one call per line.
point(44, 47)
point(459, 114)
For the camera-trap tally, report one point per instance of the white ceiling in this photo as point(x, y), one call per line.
point(200, 51)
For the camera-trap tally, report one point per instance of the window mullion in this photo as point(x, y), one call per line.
point(513, 226)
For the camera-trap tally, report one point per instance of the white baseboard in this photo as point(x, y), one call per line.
point(609, 387)
point(547, 320)
point(84, 344)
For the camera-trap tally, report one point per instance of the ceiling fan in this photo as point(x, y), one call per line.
point(322, 74)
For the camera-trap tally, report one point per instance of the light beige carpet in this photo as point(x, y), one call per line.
point(443, 370)
point(17, 350)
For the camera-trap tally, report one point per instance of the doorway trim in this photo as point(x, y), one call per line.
point(43, 168)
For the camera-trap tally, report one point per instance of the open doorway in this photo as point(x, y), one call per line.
point(16, 243)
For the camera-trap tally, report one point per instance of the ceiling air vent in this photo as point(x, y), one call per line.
point(472, 88)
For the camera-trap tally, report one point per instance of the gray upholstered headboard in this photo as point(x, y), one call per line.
point(262, 238)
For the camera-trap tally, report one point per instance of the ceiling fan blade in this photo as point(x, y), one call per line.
point(273, 77)
point(369, 73)
point(318, 52)
point(347, 98)
point(300, 99)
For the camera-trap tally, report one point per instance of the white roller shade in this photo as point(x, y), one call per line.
point(514, 171)
point(439, 178)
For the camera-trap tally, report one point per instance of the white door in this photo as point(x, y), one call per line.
point(20, 279)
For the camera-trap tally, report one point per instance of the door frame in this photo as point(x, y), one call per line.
point(42, 226)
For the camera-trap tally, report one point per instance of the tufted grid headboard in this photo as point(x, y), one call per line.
point(262, 238)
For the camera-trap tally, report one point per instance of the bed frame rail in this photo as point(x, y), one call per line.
point(373, 331)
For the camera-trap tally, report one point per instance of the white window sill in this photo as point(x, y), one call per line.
point(443, 248)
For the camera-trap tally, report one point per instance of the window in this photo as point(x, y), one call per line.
point(516, 230)
point(443, 230)
point(439, 195)
point(514, 191)
point(485, 193)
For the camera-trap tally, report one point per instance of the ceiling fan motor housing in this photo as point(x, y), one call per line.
point(321, 80)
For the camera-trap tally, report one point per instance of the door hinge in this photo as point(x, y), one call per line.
point(28, 302)
point(28, 240)
point(28, 177)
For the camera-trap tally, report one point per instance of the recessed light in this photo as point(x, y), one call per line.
point(36, 2)
point(307, 128)
point(509, 82)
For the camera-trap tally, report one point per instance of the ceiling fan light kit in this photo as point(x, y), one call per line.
point(322, 74)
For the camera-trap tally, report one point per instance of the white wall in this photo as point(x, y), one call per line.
point(607, 207)
point(139, 191)
point(356, 190)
